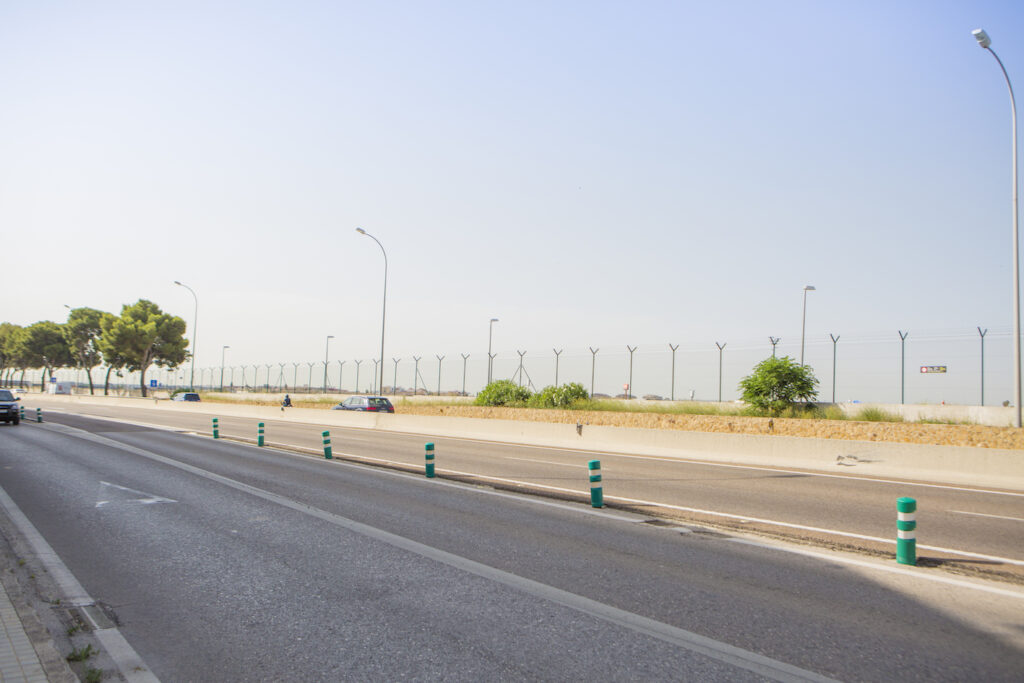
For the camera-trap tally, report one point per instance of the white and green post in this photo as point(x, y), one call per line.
point(216, 428)
point(906, 531)
point(327, 445)
point(259, 434)
point(596, 489)
point(430, 459)
point(39, 414)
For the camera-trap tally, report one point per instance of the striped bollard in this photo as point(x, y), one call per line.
point(596, 490)
point(22, 409)
point(327, 445)
point(259, 434)
point(906, 531)
point(39, 414)
point(430, 460)
point(216, 428)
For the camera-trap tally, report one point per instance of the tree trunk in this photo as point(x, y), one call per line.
point(142, 381)
point(88, 372)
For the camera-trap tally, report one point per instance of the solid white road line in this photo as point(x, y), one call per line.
point(981, 514)
point(124, 656)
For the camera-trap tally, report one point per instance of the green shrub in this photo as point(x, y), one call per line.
point(564, 396)
point(777, 384)
point(503, 392)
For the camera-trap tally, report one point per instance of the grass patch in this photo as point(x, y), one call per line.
point(871, 414)
point(93, 675)
point(80, 654)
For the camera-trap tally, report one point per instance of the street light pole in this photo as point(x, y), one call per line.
point(985, 42)
point(195, 319)
point(326, 352)
point(223, 349)
point(490, 358)
point(384, 308)
point(803, 325)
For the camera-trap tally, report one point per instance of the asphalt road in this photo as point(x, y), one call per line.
point(222, 561)
point(966, 528)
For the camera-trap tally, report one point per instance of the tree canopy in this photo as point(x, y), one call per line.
point(777, 384)
point(42, 345)
point(82, 332)
point(142, 336)
point(7, 348)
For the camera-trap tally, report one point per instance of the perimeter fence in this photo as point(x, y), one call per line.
point(953, 367)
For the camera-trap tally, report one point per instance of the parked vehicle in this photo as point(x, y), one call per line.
point(186, 396)
point(9, 407)
point(373, 404)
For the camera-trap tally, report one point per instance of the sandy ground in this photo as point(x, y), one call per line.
point(979, 436)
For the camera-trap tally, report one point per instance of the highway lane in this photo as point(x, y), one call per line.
point(227, 562)
point(984, 527)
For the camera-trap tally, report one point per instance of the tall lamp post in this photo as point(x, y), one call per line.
point(803, 325)
point(326, 352)
point(985, 42)
point(384, 308)
point(195, 319)
point(490, 358)
point(223, 349)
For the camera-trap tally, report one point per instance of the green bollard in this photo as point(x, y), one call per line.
point(596, 489)
point(430, 460)
point(259, 434)
point(327, 445)
point(906, 531)
point(216, 428)
point(39, 414)
point(22, 411)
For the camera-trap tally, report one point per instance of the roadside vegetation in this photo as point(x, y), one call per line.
point(141, 337)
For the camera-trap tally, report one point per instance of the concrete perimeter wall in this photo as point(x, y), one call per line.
point(988, 467)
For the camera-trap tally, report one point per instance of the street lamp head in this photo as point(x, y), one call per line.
point(494, 320)
point(330, 336)
point(177, 283)
point(982, 37)
point(809, 288)
point(361, 231)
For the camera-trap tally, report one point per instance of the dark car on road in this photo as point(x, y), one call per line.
point(186, 396)
point(374, 404)
point(9, 407)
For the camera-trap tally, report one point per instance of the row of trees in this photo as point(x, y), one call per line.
point(143, 335)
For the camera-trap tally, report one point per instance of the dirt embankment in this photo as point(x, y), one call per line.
point(905, 432)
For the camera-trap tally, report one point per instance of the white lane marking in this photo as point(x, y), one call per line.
point(127, 660)
point(915, 573)
point(146, 499)
point(809, 473)
point(550, 462)
point(981, 514)
point(717, 650)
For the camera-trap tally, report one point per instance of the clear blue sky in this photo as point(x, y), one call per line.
point(591, 173)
